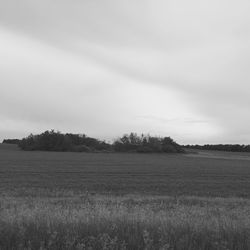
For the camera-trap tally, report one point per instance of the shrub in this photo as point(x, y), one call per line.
point(56, 141)
point(146, 144)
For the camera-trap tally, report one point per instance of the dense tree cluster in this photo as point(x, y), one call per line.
point(222, 147)
point(56, 141)
point(146, 144)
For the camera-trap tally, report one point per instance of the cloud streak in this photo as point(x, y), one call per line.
point(196, 53)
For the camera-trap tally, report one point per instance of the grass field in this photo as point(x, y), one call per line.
point(124, 201)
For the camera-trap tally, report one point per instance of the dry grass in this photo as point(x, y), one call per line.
point(128, 222)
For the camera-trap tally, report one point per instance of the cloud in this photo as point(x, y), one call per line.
point(68, 55)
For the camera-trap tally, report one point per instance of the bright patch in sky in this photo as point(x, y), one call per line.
point(104, 68)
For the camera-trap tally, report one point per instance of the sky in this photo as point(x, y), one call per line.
point(107, 67)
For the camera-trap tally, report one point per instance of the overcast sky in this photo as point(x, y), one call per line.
point(106, 67)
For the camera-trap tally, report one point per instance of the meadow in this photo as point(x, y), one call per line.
point(53, 200)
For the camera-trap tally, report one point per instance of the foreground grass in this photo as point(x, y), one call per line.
point(124, 222)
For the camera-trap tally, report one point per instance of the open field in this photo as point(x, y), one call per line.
point(124, 201)
point(26, 173)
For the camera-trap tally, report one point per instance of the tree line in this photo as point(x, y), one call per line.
point(57, 141)
point(221, 147)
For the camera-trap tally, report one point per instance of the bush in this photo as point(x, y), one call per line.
point(56, 141)
point(144, 149)
point(169, 149)
point(146, 144)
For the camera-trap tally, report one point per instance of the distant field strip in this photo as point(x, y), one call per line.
point(168, 174)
